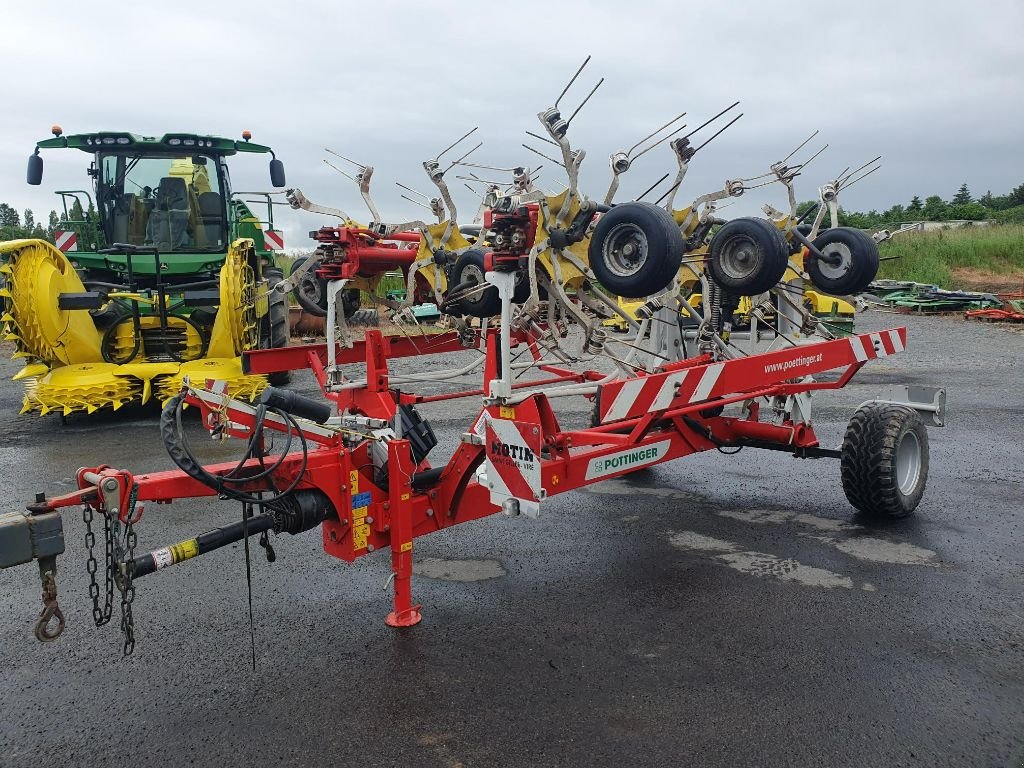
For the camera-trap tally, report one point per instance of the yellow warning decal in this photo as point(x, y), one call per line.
point(506, 413)
point(405, 497)
point(406, 547)
point(360, 533)
point(353, 482)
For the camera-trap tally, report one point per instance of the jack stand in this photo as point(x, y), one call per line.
point(506, 283)
point(400, 471)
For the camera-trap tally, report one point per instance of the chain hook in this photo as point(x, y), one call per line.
point(51, 610)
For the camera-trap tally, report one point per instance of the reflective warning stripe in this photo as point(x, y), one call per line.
point(858, 349)
point(273, 239)
point(65, 241)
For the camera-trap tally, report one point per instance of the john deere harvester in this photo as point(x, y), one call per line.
point(165, 275)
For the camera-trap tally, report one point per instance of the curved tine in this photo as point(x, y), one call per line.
point(542, 138)
point(455, 143)
point(572, 80)
point(711, 120)
point(549, 159)
point(360, 166)
point(420, 203)
point(478, 180)
point(659, 142)
point(800, 146)
point(456, 162)
point(650, 189)
point(717, 133)
point(652, 134)
point(849, 184)
point(802, 166)
point(487, 167)
point(410, 189)
point(343, 173)
point(668, 192)
point(844, 177)
point(582, 103)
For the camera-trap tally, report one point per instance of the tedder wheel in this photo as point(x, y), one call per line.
point(855, 256)
point(311, 292)
point(468, 274)
point(748, 256)
point(275, 324)
point(636, 249)
point(885, 460)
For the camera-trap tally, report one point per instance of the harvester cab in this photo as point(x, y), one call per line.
point(158, 273)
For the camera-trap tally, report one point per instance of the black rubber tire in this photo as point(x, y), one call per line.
point(859, 254)
point(760, 249)
point(311, 292)
point(644, 227)
point(874, 481)
point(275, 324)
point(469, 270)
point(351, 300)
point(522, 290)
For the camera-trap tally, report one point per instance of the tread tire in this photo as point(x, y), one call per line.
point(869, 460)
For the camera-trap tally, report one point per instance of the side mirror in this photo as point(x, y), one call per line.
point(276, 173)
point(34, 176)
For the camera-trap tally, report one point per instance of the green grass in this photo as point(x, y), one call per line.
point(929, 257)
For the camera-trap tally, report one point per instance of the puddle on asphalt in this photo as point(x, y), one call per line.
point(759, 564)
point(458, 570)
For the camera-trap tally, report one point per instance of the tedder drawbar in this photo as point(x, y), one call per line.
point(525, 298)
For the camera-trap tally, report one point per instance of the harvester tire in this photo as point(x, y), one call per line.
point(748, 256)
point(884, 460)
point(468, 273)
point(311, 292)
point(636, 250)
point(857, 254)
point(275, 324)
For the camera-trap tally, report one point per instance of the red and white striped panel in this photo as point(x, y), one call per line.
point(273, 239)
point(512, 449)
point(632, 398)
point(65, 241)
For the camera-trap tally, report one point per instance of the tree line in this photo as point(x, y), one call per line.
point(16, 226)
point(961, 206)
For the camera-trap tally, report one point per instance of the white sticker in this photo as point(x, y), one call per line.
point(623, 461)
point(163, 557)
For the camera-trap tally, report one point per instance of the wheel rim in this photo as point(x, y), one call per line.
point(740, 257)
point(311, 289)
point(842, 252)
point(908, 463)
point(625, 250)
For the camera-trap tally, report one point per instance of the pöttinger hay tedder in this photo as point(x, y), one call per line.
point(357, 466)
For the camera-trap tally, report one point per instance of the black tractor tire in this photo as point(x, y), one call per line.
point(858, 257)
point(522, 290)
point(884, 460)
point(311, 292)
point(636, 250)
point(748, 256)
point(351, 300)
point(275, 324)
point(468, 272)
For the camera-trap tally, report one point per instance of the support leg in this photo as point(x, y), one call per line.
point(400, 469)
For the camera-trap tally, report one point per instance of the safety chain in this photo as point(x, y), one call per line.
point(100, 615)
point(127, 587)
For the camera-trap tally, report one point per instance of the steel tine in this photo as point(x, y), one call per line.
point(572, 80)
point(718, 133)
point(708, 122)
point(538, 152)
point(659, 142)
point(650, 188)
point(410, 189)
point(343, 173)
point(668, 192)
point(799, 147)
point(582, 103)
point(655, 133)
point(416, 202)
point(861, 177)
point(360, 166)
point(456, 162)
point(542, 138)
point(456, 142)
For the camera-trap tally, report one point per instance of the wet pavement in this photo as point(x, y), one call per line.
point(718, 610)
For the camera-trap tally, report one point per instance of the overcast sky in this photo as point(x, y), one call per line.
point(935, 87)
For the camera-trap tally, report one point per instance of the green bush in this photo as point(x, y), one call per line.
point(930, 257)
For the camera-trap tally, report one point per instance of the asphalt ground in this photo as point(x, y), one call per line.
point(717, 610)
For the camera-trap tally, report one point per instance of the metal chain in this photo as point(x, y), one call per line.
point(127, 588)
point(100, 616)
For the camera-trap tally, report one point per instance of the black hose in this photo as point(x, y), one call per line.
point(176, 442)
